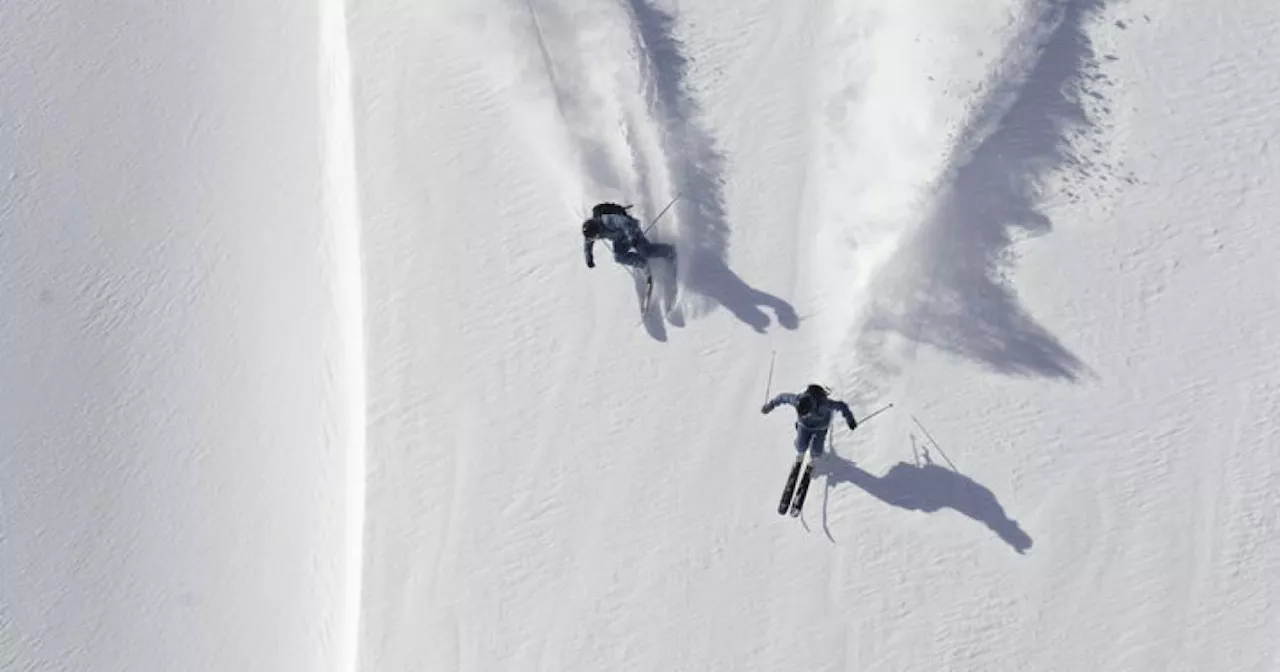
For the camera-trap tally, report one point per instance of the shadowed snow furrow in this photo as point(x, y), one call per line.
point(913, 102)
point(694, 161)
point(947, 287)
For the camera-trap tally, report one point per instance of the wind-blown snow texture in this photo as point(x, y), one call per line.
point(176, 368)
point(1040, 229)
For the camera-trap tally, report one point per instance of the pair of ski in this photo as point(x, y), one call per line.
point(648, 272)
point(648, 292)
point(793, 493)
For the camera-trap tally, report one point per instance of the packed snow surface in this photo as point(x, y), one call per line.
point(305, 370)
point(180, 388)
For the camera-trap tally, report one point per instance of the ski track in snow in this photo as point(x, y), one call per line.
point(618, 76)
point(587, 57)
point(585, 52)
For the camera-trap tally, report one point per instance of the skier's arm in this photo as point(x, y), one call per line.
point(784, 398)
point(586, 251)
point(848, 415)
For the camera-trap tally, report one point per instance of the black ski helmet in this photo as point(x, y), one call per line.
point(809, 400)
point(818, 391)
point(591, 227)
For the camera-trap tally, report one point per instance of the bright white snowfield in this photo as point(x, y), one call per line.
point(304, 370)
point(180, 395)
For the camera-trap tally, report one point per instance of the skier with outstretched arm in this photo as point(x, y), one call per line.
point(814, 410)
point(813, 416)
point(612, 222)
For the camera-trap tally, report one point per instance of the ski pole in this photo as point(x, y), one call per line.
point(768, 384)
point(935, 444)
point(664, 211)
point(873, 414)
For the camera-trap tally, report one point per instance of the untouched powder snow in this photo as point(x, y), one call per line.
point(177, 362)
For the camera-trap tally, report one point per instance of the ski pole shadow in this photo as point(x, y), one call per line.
point(929, 487)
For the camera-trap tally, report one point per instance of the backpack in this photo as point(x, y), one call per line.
point(609, 209)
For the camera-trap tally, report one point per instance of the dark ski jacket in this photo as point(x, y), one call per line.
point(818, 419)
point(619, 227)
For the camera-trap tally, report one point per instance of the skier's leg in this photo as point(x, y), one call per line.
point(803, 436)
point(629, 257)
point(816, 447)
point(651, 249)
point(623, 225)
point(646, 247)
point(661, 250)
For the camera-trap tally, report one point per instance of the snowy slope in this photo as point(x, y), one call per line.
point(176, 367)
point(1039, 229)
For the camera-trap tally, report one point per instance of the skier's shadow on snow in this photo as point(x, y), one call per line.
point(696, 165)
point(929, 487)
point(710, 277)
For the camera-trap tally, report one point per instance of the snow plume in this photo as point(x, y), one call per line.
point(947, 287)
point(619, 82)
point(598, 113)
point(342, 210)
point(908, 100)
point(693, 159)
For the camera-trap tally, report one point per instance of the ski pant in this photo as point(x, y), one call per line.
point(637, 255)
point(810, 440)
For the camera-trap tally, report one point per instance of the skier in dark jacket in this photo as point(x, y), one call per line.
point(611, 222)
point(813, 417)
